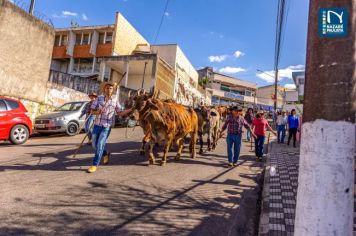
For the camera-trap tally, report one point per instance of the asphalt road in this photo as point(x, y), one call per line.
point(44, 191)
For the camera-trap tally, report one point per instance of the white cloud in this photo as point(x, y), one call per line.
point(65, 14)
point(85, 18)
point(285, 73)
point(290, 86)
point(217, 58)
point(167, 13)
point(238, 54)
point(231, 70)
point(69, 13)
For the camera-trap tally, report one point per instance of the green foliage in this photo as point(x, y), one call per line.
point(203, 81)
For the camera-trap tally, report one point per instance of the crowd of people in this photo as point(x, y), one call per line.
point(256, 124)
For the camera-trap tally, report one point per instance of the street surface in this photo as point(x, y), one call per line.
point(45, 191)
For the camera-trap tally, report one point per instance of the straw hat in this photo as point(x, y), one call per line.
point(110, 83)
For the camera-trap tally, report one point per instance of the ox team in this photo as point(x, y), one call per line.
point(160, 114)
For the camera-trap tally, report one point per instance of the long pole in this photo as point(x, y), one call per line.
point(325, 199)
point(275, 90)
point(32, 7)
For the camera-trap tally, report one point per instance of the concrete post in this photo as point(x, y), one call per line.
point(325, 200)
point(127, 68)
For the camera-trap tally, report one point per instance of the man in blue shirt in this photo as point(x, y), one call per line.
point(293, 125)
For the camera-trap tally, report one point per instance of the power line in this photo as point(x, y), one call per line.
point(162, 19)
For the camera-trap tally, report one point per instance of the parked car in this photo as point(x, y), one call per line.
point(64, 119)
point(124, 122)
point(15, 125)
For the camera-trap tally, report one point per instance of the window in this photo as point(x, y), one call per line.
point(225, 88)
point(2, 105)
point(78, 39)
point(108, 38)
point(101, 38)
point(85, 39)
point(56, 40)
point(83, 65)
point(301, 81)
point(64, 41)
point(73, 106)
point(12, 104)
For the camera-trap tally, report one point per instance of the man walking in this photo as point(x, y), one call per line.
point(234, 123)
point(104, 107)
point(88, 116)
point(293, 125)
point(249, 118)
point(281, 127)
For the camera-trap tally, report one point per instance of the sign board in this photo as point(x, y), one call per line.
point(292, 96)
point(333, 22)
point(234, 96)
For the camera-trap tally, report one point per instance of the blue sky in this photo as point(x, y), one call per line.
point(233, 36)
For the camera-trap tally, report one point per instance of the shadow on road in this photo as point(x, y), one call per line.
point(215, 206)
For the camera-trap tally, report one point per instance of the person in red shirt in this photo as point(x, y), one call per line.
point(259, 126)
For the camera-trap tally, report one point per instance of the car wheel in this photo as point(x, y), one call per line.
point(72, 129)
point(19, 134)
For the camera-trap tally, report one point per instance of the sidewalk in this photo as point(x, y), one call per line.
point(280, 192)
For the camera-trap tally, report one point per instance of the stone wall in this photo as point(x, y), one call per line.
point(26, 45)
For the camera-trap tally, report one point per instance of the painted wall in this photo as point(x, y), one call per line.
point(126, 37)
point(26, 45)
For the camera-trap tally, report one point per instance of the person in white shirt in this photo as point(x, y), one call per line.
point(281, 126)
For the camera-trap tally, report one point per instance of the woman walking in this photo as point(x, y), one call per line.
point(293, 125)
point(259, 126)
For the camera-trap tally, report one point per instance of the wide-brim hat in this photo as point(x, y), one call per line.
point(110, 83)
point(92, 95)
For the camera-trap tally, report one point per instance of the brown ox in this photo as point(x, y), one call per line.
point(168, 123)
point(223, 112)
point(139, 109)
point(208, 123)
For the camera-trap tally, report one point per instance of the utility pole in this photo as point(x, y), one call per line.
point(275, 90)
point(32, 6)
point(325, 199)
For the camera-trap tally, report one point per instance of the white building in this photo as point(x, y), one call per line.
point(186, 90)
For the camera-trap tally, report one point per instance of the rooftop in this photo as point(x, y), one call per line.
point(82, 28)
point(233, 81)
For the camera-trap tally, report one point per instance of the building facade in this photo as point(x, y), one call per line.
point(265, 96)
point(299, 80)
point(186, 88)
point(77, 51)
point(227, 90)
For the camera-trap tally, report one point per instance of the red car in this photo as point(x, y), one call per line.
point(15, 125)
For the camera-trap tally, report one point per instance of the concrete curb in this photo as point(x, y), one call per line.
point(263, 227)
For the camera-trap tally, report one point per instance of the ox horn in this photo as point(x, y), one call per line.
point(141, 92)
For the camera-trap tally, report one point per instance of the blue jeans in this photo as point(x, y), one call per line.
point(281, 129)
point(88, 126)
point(233, 140)
point(248, 134)
point(100, 136)
point(259, 142)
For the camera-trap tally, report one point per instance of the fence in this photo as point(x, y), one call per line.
point(25, 6)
